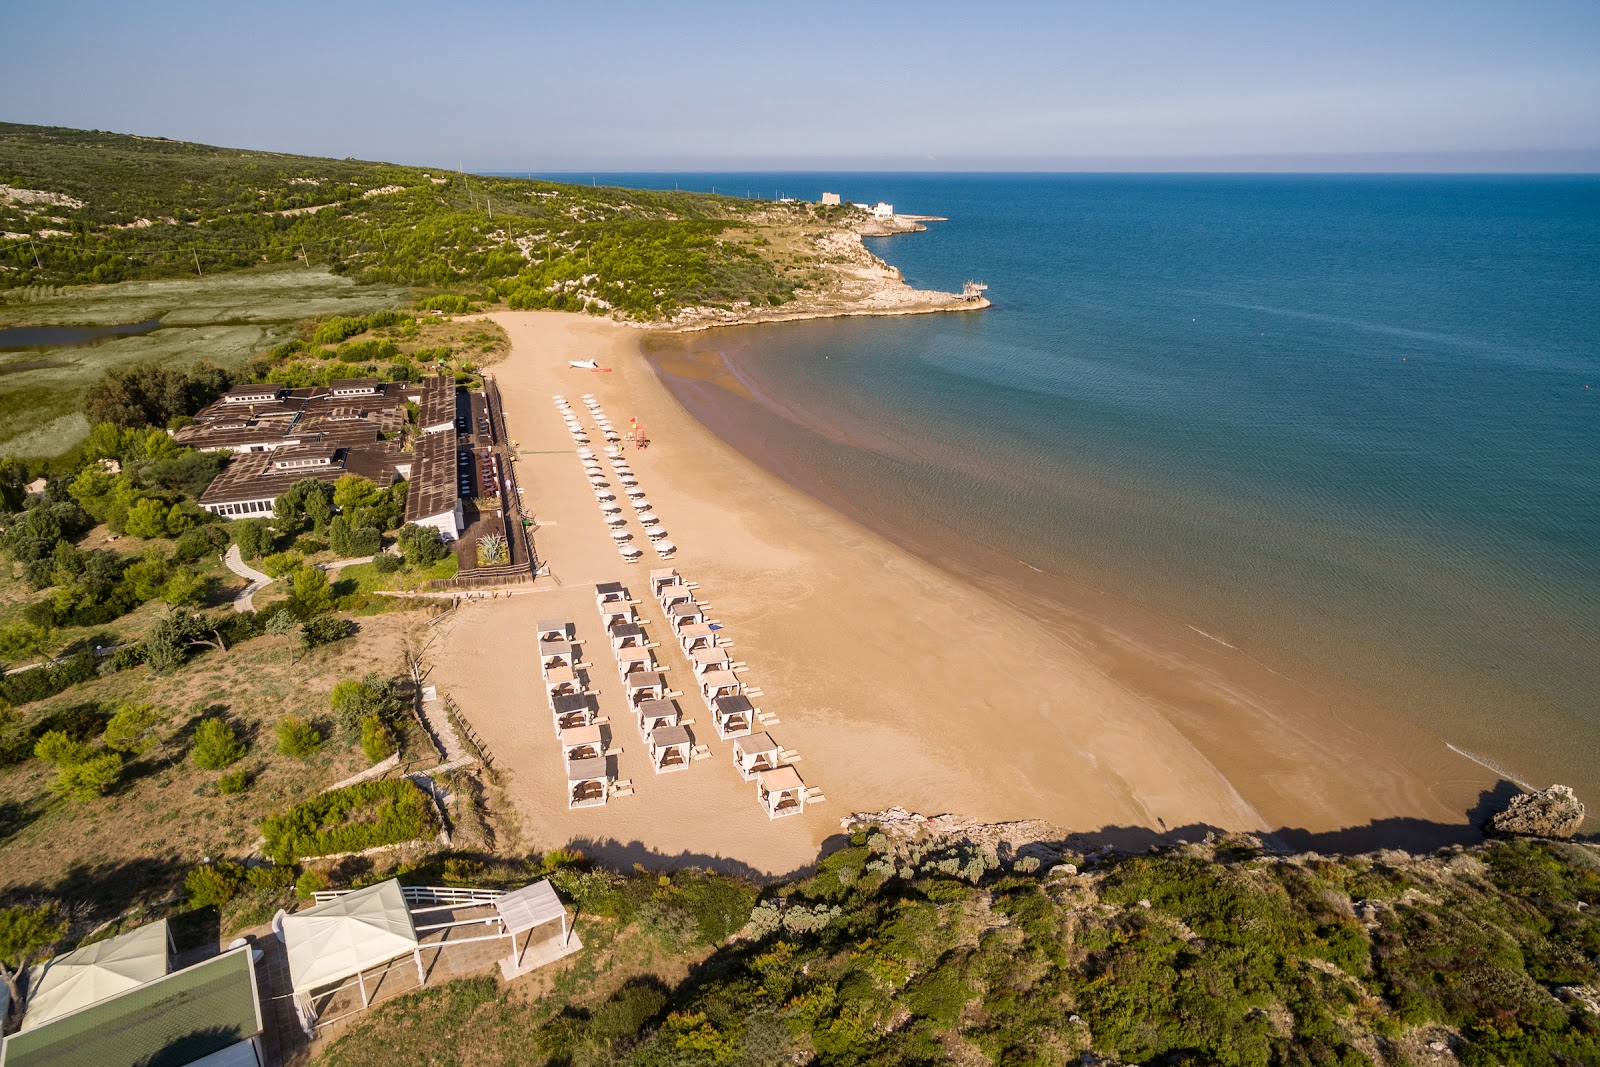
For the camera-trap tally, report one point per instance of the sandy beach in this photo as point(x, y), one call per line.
point(898, 682)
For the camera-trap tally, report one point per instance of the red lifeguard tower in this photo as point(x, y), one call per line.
point(637, 434)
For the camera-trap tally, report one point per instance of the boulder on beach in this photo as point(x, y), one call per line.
point(1553, 812)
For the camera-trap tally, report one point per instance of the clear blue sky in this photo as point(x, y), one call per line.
point(1120, 84)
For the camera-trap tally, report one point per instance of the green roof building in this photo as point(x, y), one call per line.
point(208, 1014)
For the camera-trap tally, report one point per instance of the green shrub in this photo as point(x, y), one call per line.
point(89, 778)
point(348, 820)
point(421, 546)
point(307, 545)
point(376, 741)
point(280, 563)
point(387, 563)
point(234, 782)
point(253, 536)
point(325, 630)
point(270, 879)
point(297, 737)
point(310, 881)
point(216, 745)
point(213, 884)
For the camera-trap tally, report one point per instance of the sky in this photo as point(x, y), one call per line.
point(1108, 85)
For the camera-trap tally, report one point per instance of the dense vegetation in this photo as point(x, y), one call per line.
point(121, 207)
point(1191, 956)
point(362, 816)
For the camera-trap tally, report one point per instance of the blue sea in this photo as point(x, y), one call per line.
point(1348, 425)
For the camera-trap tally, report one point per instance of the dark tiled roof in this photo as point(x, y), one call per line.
point(433, 476)
point(254, 476)
point(438, 403)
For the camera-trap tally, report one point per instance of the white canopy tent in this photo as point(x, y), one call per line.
point(523, 909)
point(341, 938)
point(96, 972)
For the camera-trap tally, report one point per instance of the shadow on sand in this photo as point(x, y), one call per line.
point(1405, 834)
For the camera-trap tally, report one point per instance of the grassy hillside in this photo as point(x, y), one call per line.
point(1210, 954)
point(84, 207)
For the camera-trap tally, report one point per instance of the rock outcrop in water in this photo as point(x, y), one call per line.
point(1554, 812)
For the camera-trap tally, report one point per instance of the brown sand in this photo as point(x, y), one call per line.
point(898, 682)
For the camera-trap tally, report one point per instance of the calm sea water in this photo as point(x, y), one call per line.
point(1350, 425)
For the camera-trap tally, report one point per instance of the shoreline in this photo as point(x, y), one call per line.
point(900, 682)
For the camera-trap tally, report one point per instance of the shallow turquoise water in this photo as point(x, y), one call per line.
point(1343, 423)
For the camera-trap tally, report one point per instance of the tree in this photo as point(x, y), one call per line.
point(147, 518)
point(253, 536)
point(297, 737)
point(309, 595)
point(61, 748)
point(184, 587)
point(354, 491)
point(167, 647)
point(89, 778)
point(310, 500)
point(421, 546)
point(373, 696)
point(25, 640)
point(150, 394)
point(284, 624)
point(216, 745)
point(27, 934)
point(132, 729)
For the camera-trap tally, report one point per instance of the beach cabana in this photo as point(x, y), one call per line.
point(755, 754)
point(588, 782)
point(581, 742)
point(695, 637)
point(553, 630)
point(626, 635)
point(634, 660)
point(610, 593)
point(655, 714)
point(781, 792)
point(345, 937)
point(554, 654)
point(644, 685)
point(571, 710)
point(560, 681)
point(710, 659)
point(669, 749)
point(685, 613)
point(97, 972)
point(732, 715)
point(662, 577)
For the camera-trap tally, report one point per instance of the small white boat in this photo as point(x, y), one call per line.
point(583, 364)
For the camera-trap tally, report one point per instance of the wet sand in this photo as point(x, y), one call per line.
point(900, 681)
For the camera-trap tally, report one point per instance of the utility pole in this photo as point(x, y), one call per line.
point(197, 271)
point(304, 254)
point(35, 248)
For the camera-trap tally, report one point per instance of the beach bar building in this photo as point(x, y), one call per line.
point(571, 710)
point(732, 715)
point(669, 749)
point(588, 782)
point(781, 792)
point(656, 715)
point(755, 754)
point(208, 1014)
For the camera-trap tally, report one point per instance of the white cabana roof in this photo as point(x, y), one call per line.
point(348, 934)
point(95, 972)
point(532, 905)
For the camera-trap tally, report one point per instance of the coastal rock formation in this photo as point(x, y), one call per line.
point(1554, 812)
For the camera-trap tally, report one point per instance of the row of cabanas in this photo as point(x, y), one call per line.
point(668, 743)
point(756, 756)
point(573, 716)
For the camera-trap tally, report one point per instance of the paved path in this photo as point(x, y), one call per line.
point(245, 600)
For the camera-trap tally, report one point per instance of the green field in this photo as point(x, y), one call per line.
point(226, 318)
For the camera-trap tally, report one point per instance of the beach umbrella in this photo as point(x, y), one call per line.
point(640, 501)
point(628, 480)
point(621, 535)
point(610, 508)
point(648, 517)
point(616, 520)
point(613, 450)
point(603, 494)
point(665, 548)
point(656, 533)
point(586, 453)
point(630, 553)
